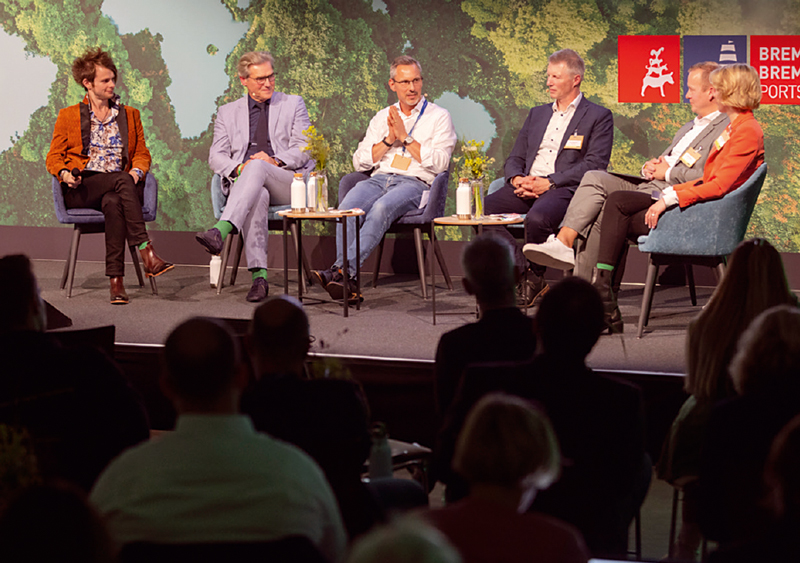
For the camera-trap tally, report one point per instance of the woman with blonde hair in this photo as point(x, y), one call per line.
point(507, 451)
point(735, 156)
point(753, 282)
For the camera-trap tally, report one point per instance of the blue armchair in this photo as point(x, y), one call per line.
point(275, 223)
point(415, 221)
point(89, 221)
point(704, 233)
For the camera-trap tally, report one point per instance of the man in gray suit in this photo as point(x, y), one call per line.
point(682, 161)
point(257, 147)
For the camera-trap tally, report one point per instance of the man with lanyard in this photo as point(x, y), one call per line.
point(99, 155)
point(407, 144)
point(558, 143)
point(258, 144)
point(682, 161)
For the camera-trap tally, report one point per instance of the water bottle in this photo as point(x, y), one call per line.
point(213, 269)
point(298, 194)
point(311, 192)
point(380, 455)
point(463, 210)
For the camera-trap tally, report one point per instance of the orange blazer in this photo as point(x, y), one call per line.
point(70, 145)
point(730, 167)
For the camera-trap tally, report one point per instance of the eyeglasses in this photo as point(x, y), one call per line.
point(407, 83)
point(263, 79)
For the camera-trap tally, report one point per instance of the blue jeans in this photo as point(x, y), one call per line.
point(384, 198)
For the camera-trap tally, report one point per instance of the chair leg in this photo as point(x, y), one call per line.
point(690, 281)
point(72, 260)
point(673, 522)
point(637, 535)
point(300, 255)
point(136, 267)
point(443, 265)
point(153, 286)
point(226, 251)
point(378, 262)
point(720, 270)
point(647, 298)
point(238, 243)
point(423, 282)
point(65, 275)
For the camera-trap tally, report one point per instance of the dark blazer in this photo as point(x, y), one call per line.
point(500, 335)
point(594, 122)
point(599, 423)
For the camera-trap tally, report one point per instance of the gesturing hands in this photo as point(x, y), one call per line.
point(397, 130)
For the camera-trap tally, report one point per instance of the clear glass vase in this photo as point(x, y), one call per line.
point(477, 196)
point(322, 190)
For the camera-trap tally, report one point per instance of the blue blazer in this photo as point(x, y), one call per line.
point(594, 122)
point(288, 119)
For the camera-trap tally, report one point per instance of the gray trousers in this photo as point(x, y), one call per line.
point(260, 185)
point(584, 214)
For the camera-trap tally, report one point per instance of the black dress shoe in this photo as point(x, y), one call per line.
point(117, 289)
point(258, 291)
point(531, 291)
point(211, 240)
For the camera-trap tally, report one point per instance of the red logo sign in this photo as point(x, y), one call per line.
point(649, 68)
point(777, 60)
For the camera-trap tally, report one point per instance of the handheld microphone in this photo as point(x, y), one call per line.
point(76, 173)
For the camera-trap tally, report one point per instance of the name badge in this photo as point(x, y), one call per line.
point(401, 162)
point(574, 142)
point(722, 139)
point(690, 157)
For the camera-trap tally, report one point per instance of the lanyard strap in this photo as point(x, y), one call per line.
point(424, 105)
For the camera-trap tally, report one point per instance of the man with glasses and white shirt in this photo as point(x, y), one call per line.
point(257, 147)
point(407, 144)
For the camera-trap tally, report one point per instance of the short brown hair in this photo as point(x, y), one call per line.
point(253, 58)
point(85, 67)
point(571, 59)
point(737, 86)
point(705, 68)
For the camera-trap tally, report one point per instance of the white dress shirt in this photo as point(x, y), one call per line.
point(700, 123)
point(434, 132)
point(545, 162)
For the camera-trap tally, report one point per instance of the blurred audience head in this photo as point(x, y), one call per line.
point(782, 471)
point(570, 319)
point(406, 540)
point(769, 352)
point(489, 274)
point(53, 523)
point(21, 307)
point(279, 339)
point(753, 282)
point(203, 371)
point(507, 442)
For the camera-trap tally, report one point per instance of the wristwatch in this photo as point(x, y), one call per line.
point(386, 143)
point(408, 140)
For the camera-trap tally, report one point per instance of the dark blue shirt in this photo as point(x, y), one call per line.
point(255, 112)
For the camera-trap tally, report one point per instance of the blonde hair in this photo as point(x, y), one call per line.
point(769, 351)
point(504, 441)
point(737, 86)
point(753, 282)
point(253, 58)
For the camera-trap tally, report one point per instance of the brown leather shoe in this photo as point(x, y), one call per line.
point(118, 295)
point(153, 265)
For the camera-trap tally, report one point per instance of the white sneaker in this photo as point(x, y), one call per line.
point(553, 253)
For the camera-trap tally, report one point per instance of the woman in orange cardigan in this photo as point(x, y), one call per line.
point(736, 154)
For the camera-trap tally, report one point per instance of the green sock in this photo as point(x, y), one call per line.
point(224, 227)
point(144, 245)
point(259, 273)
point(605, 267)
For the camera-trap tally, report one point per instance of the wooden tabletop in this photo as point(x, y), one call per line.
point(486, 220)
point(329, 214)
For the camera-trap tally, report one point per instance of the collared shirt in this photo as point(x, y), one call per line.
point(105, 141)
point(545, 162)
point(215, 479)
point(255, 109)
point(434, 132)
point(700, 123)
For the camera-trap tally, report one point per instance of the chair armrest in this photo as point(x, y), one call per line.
point(437, 199)
point(58, 201)
point(150, 204)
point(348, 181)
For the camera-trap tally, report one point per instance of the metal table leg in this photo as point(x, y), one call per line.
point(285, 257)
point(433, 271)
point(300, 281)
point(345, 270)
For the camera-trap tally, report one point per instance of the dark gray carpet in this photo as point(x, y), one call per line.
point(394, 320)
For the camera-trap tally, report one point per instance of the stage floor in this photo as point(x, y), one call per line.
point(394, 320)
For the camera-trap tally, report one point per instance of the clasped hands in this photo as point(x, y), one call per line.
point(397, 130)
point(530, 187)
point(73, 182)
point(655, 168)
point(261, 155)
